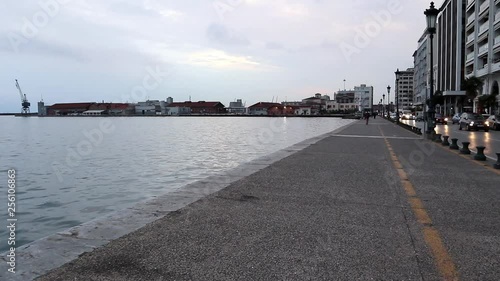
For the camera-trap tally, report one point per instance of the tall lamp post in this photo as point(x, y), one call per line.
point(389, 99)
point(431, 16)
point(383, 105)
point(396, 93)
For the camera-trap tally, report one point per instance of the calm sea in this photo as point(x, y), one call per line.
point(71, 170)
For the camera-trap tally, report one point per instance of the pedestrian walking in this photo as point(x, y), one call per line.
point(367, 117)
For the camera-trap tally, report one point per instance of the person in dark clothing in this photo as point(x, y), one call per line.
point(367, 117)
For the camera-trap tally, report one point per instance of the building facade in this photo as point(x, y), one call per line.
point(361, 97)
point(482, 47)
point(403, 90)
point(237, 107)
point(421, 71)
point(450, 54)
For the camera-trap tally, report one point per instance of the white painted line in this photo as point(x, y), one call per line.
point(377, 137)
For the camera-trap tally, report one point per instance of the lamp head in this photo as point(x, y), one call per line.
point(431, 16)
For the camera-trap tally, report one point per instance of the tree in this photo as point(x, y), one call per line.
point(487, 101)
point(437, 98)
point(472, 87)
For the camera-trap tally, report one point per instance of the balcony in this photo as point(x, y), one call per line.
point(495, 67)
point(469, 3)
point(497, 17)
point(483, 71)
point(484, 6)
point(484, 27)
point(469, 57)
point(470, 38)
point(470, 19)
point(482, 49)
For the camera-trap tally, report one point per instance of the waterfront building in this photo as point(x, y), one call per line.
point(237, 107)
point(113, 108)
point(482, 46)
point(302, 110)
point(344, 101)
point(316, 102)
point(364, 96)
point(265, 108)
point(200, 107)
point(404, 90)
point(42, 109)
point(450, 54)
point(64, 109)
point(146, 108)
point(359, 99)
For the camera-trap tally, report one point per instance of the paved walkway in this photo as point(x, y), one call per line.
point(371, 202)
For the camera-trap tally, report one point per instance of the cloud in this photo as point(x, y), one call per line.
point(274, 46)
point(219, 59)
point(221, 34)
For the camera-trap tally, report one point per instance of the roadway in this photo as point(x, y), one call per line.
point(491, 139)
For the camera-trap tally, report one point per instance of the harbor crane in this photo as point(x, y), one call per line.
point(24, 101)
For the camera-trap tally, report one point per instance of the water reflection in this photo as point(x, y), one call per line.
point(140, 159)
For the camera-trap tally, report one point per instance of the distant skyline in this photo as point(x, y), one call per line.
point(223, 50)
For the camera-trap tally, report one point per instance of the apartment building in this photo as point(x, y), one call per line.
point(404, 89)
point(421, 70)
point(482, 44)
point(362, 96)
point(450, 54)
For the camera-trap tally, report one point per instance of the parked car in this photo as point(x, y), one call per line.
point(473, 121)
point(456, 118)
point(494, 122)
point(440, 119)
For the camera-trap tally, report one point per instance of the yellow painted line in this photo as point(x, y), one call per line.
point(419, 211)
point(410, 191)
point(402, 174)
point(443, 260)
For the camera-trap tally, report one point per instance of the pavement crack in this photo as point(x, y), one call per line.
point(241, 198)
point(412, 240)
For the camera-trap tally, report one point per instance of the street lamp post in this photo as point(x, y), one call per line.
point(383, 105)
point(389, 99)
point(431, 16)
point(396, 93)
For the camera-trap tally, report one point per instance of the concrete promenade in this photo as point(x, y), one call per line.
point(368, 202)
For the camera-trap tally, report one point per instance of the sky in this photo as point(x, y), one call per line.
point(221, 50)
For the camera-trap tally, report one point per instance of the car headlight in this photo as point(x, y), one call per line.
point(487, 123)
point(472, 123)
point(446, 119)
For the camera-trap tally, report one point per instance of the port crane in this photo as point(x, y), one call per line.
point(24, 101)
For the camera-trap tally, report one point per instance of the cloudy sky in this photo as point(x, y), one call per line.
point(129, 50)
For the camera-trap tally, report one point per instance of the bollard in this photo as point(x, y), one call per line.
point(437, 138)
point(497, 164)
point(465, 148)
point(480, 154)
point(454, 144)
point(445, 141)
